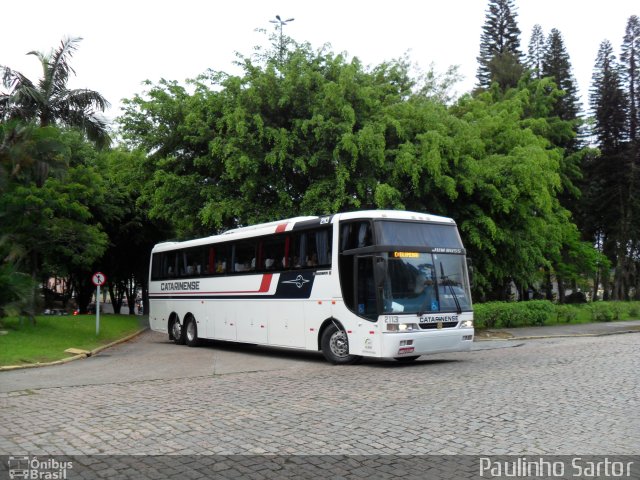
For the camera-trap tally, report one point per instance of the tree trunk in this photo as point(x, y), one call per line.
point(116, 294)
point(561, 295)
point(145, 298)
point(596, 283)
point(31, 309)
point(131, 292)
point(548, 287)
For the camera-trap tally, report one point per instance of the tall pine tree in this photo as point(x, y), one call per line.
point(630, 59)
point(500, 58)
point(628, 264)
point(557, 65)
point(536, 51)
point(608, 101)
point(603, 201)
point(565, 123)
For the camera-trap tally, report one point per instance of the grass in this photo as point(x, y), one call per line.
point(47, 340)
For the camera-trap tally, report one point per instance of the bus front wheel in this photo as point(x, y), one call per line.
point(176, 333)
point(335, 346)
point(191, 332)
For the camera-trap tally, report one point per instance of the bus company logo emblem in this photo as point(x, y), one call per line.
point(299, 281)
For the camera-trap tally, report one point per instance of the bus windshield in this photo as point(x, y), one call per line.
point(418, 283)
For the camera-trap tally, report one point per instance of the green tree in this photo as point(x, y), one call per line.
point(500, 58)
point(536, 51)
point(512, 218)
point(319, 134)
point(50, 101)
point(557, 65)
point(131, 233)
point(565, 132)
point(608, 101)
point(15, 290)
point(306, 137)
point(48, 224)
point(610, 206)
point(630, 59)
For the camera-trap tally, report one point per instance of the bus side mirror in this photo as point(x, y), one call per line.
point(470, 271)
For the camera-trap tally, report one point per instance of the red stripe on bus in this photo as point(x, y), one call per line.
point(265, 284)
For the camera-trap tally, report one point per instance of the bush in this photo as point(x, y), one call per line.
point(513, 314)
point(524, 314)
point(566, 314)
point(602, 312)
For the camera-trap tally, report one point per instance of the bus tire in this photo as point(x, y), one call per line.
point(176, 332)
point(407, 359)
point(191, 332)
point(335, 346)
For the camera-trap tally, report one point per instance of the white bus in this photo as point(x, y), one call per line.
point(389, 284)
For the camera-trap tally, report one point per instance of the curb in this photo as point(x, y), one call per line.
point(75, 357)
point(565, 335)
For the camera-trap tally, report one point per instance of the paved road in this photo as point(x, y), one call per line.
point(554, 396)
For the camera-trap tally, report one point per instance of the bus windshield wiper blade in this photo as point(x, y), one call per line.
point(446, 281)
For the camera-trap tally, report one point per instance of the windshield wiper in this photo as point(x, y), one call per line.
point(422, 310)
point(446, 281)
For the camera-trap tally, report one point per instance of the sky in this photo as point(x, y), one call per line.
point(127, 42)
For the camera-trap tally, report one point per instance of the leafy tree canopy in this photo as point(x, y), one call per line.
point(318, 134)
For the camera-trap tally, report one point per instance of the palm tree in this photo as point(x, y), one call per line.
point(50, 101)
point(28, 153)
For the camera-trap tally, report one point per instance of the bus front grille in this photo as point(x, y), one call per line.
point(430, 326)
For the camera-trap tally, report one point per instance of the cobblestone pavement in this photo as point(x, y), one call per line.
point(546, 397)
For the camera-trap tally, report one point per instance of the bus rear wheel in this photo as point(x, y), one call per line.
point(191, 332)
point(335, 346)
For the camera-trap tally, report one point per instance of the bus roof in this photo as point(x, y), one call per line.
point(287, 224)
point(394, 215)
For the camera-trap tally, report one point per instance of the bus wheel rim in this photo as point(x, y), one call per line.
point(339, 345)
point(176, 330)
point(191, 331)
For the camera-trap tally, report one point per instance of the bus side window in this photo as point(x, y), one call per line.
point(294, 260)
point(355, 235)
point(171, 265)
point(318, 248)
point(210, 269)
point(222, 259)
point(273, 253)
point(244, 256)
point(157, 264)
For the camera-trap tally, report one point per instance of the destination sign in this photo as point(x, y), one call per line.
point(406, 254)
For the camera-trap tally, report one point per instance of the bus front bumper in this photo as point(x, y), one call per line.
point(414, 343)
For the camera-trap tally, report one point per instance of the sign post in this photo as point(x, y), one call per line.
point(98, 280)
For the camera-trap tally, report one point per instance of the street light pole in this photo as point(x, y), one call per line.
point(280, 24)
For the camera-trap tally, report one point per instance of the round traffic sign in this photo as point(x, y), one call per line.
point(99, 279)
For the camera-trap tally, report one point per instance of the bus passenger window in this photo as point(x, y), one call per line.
point(273, 252)
point(355, 235)
point(244, 257)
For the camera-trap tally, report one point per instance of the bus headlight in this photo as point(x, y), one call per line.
point(466, 324)
point(402, 327)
